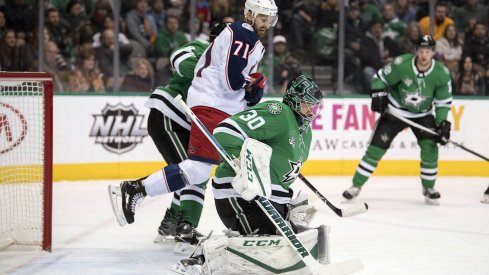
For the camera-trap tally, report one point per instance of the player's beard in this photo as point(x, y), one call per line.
point(260, 31)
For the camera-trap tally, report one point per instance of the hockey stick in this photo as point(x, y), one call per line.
point(421, 127)
point(348, 212)
point(262, 202)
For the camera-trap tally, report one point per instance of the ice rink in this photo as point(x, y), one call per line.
point(398, 235)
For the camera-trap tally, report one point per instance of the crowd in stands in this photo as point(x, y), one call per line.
point(79, 39)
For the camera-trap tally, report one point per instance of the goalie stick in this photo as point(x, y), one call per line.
point(262, 202)
point(421, 127)
point(348, 212)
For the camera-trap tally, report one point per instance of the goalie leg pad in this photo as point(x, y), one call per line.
point(263, 254)
point(254, 177)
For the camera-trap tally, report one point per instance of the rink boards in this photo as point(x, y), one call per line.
point(104, 137)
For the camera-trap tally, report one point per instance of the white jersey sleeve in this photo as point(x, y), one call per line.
point(222, 71)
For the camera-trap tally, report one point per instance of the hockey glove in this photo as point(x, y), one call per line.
point(443, 131)
point(379, 101)
point(254, 89)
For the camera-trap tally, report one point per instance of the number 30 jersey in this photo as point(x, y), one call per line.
point(273, 123)
point(222, 71)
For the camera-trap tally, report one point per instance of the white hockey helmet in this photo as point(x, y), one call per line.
point(265, 7)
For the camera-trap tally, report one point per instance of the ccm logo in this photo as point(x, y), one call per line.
point(13, 127)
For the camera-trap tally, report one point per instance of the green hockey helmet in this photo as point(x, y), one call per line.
point(304, 97)
point(216, 29)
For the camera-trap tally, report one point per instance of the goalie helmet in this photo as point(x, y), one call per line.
point(265, 7)
point(216, 29)
point(303, 96)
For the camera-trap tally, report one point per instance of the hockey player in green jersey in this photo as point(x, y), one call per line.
point(415, 87)
point(169, 128)
point(285, 127)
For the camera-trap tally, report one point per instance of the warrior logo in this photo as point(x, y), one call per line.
point(118, 128)
point(295, 169)
point(13, 127)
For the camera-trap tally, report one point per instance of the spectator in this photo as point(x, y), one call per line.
point(441, 21)
point(54, 65)
point(375, 51)
point(141, 79)
point(468, 81)
point(75, 14)
point(167, 40)
point(109, 25)
point(141, 27)
point(157, 13)
point(472, 10)
point(87, 76)
point(199, 31)
point(354, 33)
point(302, 25)
point(369, 12)
point(219, 9)
point(329, 10)
point(102, 10)
point(280, 52)
point(287, 71)
point(477, 46)
point(407, 43)
point(59, 32)
point(449, 49)
point(3, 23)
point(393, 27)
point(20, 16)
point(105, 57)
point(12, 53)
point(405, 11)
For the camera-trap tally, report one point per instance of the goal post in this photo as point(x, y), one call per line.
point(26, 157)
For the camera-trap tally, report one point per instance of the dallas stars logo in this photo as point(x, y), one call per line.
point(414, 99)
point(274, 108)
point(295, 169)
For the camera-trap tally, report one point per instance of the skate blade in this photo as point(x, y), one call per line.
point(485, 199)
point(114, 192)
point(179, 268)
point(164, 239)
point(429, 201)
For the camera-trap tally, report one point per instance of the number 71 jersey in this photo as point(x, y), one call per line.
point(273, 123)
point(222, 71)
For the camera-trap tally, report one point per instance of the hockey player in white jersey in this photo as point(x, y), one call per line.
point(225, 82)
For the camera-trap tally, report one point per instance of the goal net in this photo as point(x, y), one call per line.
point(26, 102)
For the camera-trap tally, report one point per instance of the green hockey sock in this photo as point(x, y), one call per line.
point(192, 203)
point(367, 165)
point(429, 162)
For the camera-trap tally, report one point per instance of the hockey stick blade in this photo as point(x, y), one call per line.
point(348, 212)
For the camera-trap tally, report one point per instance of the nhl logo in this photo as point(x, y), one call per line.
point(118, 128)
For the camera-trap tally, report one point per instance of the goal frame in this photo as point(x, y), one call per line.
point(46, 243)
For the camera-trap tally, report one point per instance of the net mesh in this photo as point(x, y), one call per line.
point(21, 162)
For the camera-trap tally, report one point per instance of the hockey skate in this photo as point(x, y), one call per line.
point(351, 192)
point(131, 193)
point(485, 199)
point(431, 196)
point(187, 237)
point(191, 266)
point(167, 228)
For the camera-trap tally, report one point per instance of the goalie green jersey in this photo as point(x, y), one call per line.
point(412, 93)
point(273, 123)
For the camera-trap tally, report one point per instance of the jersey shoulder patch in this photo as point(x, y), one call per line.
point(274, 108)
point(244, 32)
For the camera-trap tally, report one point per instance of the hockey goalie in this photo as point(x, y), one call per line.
point(269, 144)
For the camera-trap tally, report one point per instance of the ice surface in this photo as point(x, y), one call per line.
point(398, 235)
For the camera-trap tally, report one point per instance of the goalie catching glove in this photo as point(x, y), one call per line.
point(254, 89)
point(253, 179)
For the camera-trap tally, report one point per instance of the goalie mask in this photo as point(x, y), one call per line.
point(304, 98)
point(264, 7)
